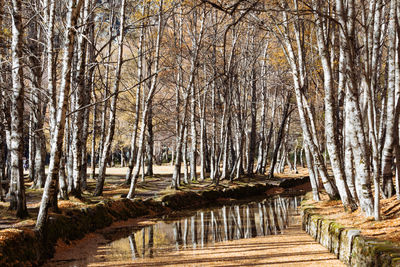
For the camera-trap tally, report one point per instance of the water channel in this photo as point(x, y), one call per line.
point(198, 229)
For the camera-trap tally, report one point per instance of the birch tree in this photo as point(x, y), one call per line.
point(37, 140)
point(17, 187)
point(300, 82)
point(391, 112)
point(132, 154)
point(113, 107)
point(59, 108)
point(80, 95)
point(330, 132)
point(352, 107)
point(148, 99)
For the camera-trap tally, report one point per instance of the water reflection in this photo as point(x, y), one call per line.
point(132, 243)
point(203, 227)
point(268, 217)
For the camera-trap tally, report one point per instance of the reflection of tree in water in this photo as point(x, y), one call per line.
point(231, 224)
point(143, 242)
point(132, 243)
point(178, 235)
point(185, 234)
point(151, 240)
point(269, 217)
point(239, 223)
point(261, 216)
point(193, 226)
point(253, 222)
point(204, 221)
point(225, 223)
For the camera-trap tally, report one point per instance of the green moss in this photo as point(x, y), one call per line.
point(386, 248)
point(365, 252)
point(335, 227)
point(395, 261)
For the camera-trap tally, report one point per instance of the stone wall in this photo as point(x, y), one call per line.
point(347, 243)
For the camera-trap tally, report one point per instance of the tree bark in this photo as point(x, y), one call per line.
point(178, 157)
point(78, 130)
point(357, 137)
point(330, 131)
point(113, 107)
point(150, 141)
point(264, 108)
point(17, 189)
point(253, 125)
point(387, 153)
point(148, 99)
point(58, 121)
point(300, 83)
point(285, 115)
point(132, 156)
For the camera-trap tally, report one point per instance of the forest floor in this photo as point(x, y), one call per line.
point(115, 187)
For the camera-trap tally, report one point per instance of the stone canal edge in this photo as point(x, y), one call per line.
point(347, 243)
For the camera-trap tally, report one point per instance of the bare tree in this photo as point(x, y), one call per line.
point(60, 108)
point(148, 99)
point(336, 160)
point(17, 187)
point(80, 95)
point(113, 107)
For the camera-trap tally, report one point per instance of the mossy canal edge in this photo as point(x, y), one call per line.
point(347, 243)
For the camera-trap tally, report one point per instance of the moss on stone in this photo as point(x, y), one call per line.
point(396, 261)
point(353, 250)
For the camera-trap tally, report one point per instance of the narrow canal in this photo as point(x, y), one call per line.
point(265, 232)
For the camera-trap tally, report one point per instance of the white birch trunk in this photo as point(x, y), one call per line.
point(17, 189)
point(148, 99)
point(77, 129)
point(297, 68)
point(132, 156)
point(353, 111)
point(196, 43)
point(214, 167)
point(203, 140)
point(330, 131)
point(264, 108)
point(178, 158)
point(184, 152)
point(312, 174)
point(94, 134)
point(58, 122)
point(387, 153)
point(113, 107)
point(253, 127)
